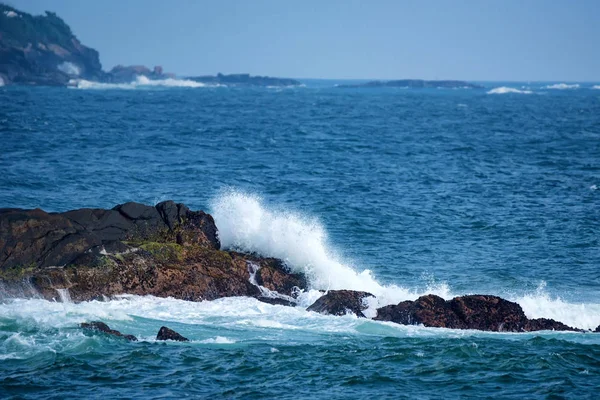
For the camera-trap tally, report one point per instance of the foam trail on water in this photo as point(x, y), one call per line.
point(505, 90)
point(301, 242)
point(140, 81)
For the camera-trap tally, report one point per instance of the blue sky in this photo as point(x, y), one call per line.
point(461, 39)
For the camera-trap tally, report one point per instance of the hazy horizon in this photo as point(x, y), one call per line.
point(467, 40)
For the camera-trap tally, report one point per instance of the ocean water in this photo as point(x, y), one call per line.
point(396, 191)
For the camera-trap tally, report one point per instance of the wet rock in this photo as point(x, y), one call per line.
point(278, 301)
point(102, 327)
point(340, 302)
point(165, 333)
point(597, 329)
point(546, 324)
point(430, 310)
point(164, 251)
point(481, 312)
point(488, 313)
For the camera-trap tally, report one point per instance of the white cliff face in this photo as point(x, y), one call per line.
point(11, 14)
point(69, 68)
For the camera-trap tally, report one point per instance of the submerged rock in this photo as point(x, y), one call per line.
point(481, 312)
point(166, 250)
point(102, 327)
point(277, 301)
point(340, 302)
point(165, 333)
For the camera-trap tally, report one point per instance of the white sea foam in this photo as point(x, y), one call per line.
point(218, 340)
point(597, 87)
point(562, 86)
point(140, 82)
point(541, 304)
point(301, 242)
point(505, 90)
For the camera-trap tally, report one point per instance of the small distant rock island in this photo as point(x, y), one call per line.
point(415, 84)
point(42, 50)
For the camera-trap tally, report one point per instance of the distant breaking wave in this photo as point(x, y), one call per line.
point(562, 86)
point(140, 81)
point(505, 89)
point(596, 87)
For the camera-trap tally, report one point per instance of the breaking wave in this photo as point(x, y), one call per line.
point(247, 224)
point(140, 81)
point(562, 86)
point(596, 87)
point(505, 90)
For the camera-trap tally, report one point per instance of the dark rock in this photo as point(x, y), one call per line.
point(486, 313)
point(166, 250)
point(545, 324)
point(277, 301)
point(165, 333)
point(244, 80)
point(430, 310)
point(415, 84)
point(102, 327)
point(340, 302)
point(597, 329)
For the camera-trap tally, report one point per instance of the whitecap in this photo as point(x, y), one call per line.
point(562, 86)
point(505, 90)
point(218, 340)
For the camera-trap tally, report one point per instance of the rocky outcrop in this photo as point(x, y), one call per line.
point(166, 250)
point(165, 333)
point(416, 84)
point(597, 329)
point(126, 74)
point(486, 313)
point(341, 302)
point(244, 80)
point(102, 327)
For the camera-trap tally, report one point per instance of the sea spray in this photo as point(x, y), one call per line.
point(139, 82)
point(65, 296)
point(246, 224)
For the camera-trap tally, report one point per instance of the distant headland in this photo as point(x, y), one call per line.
point(42, 50)
point(415, 84)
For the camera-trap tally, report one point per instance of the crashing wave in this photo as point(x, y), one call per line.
point(596, 87)
point(140, 81)
point(246, 224)
point(562, 86)
point(505, 89)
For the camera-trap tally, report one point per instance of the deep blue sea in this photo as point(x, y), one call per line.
point(400, 192)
